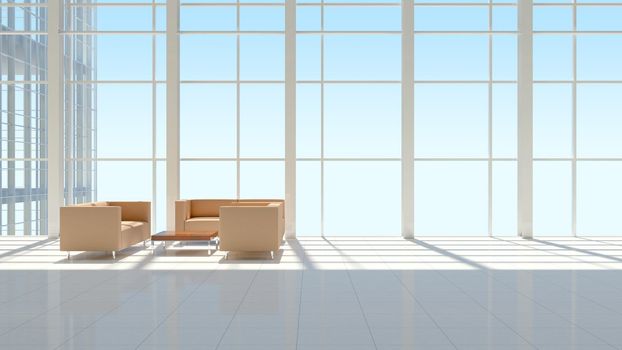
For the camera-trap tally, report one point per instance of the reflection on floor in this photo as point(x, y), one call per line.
point(334, 293)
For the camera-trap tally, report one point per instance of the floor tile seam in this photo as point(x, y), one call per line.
point(487, 310)
point(569, 290)
point(424, 309)
point(361, 308)
point(164, 319)
point(302, 280)
point(222, 336)
point(110, 311)
point(535, 302)
point(66, 301)
point(59, 305)
point(34, 289)
point(358, 299)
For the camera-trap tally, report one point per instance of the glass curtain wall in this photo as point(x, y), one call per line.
point(348, 117)
point(115, 72)
point(577, 124)
point(465, 128)
point(23, 126)
point(232, 99)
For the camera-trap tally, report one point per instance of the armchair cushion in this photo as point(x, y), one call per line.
point(203, 224)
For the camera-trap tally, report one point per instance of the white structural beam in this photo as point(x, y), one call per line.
point(172, 110)
point(408, 114)
point(525, 119)
point(290, 118)
point(55, 152)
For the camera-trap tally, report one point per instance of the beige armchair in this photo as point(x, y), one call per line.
point(252, 227)
point(104, 226)
point(204, 214)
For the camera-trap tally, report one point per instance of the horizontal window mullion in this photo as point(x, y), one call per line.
point(115, 81)
point(466, 159)
point(483, 81)
point(466, 32)
point(577, 81)
point(233, 4)
point(115, 4)
point(577, 32)
point(114, 32)
point(230, 159)
point(116, 159)
point(592, 4)
point(24, 32)
point(325, 81)
point(232, 81)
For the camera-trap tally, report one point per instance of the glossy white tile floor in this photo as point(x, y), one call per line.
point(341, 293)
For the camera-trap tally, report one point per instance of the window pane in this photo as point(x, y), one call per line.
point(208, 120)
point(308, 57)
point(552, 57)
point(448, 57)
point(552, 120)
point(362, 198)
point(362, 18)
point(599, 122)
point(504, 120)
point(207, 179)
point(262, 18)
point(262, 180)
point(308, 18)
point(451, 18)
point(362, 57)
point(124, 120)
point(308, 120)
point(262, 57)
point(126, 18)
point(362, 120)
point(262, 120)
point(504, 18)
point(605, 18)
point(451, 198)
point(599, 57)
point(599, 198)
point(124, 57)
point(549, 18)
point(504, 198)
point(208, 18)
point(208, 57)
point(136, 184)
point(308, 198)
point(504, 57)
point(552, 198)
point(160, 197)
point(456, 129)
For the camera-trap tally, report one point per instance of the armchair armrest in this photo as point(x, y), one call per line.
point(182, 213)
point(90, 228)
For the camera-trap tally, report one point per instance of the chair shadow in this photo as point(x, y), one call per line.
point(28, 247)
point(251, 258)
point(579, 250)
point(447, 253)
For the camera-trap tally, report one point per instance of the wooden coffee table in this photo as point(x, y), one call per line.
point(182, 236)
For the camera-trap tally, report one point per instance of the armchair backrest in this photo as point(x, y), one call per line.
point(207, 208)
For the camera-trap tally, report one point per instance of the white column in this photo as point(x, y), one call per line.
point(172, 110)
point(290, 118)
point(525, 119)
point(55, 119)
point(408, 114)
